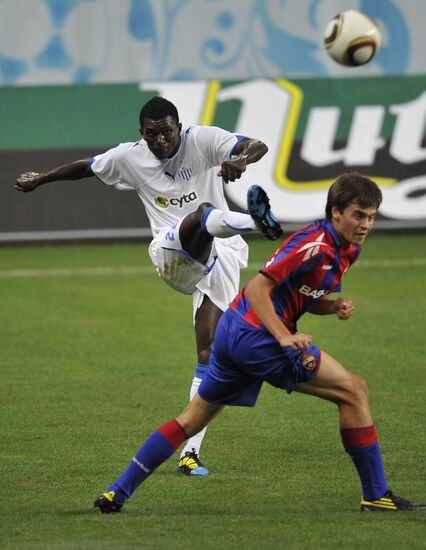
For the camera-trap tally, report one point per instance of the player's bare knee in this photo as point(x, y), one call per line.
point(205, 344)
point(194, 218)
point(363, 389)
point(358, 391)
point(201, 209)
point(204, 355)
point(203, 206)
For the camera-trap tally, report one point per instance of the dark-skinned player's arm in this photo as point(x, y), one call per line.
point(247, 151)
point(258, 291)
point(28, 181)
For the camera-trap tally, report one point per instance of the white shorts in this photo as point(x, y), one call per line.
point(219, 278)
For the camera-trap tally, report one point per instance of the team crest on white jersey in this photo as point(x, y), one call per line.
point(184, 173)
point(312, 248)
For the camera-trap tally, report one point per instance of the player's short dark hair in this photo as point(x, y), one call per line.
point(352, 187)
point(158, 107)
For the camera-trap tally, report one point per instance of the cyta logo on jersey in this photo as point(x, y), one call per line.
point(164, 202)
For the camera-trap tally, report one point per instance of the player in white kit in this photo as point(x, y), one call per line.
point(197, 249)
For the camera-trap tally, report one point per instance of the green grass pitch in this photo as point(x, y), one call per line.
point(96, 351)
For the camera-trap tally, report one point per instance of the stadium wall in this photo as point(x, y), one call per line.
point(73, 76)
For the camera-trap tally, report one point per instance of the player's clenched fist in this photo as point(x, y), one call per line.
point(232, 170)
point(27, 181)
point(344, 308)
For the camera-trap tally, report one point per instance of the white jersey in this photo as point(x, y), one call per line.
point(174, 187)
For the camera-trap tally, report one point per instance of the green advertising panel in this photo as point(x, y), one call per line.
point(315, 129)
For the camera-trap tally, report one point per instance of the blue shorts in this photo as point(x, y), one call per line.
point(244, 357)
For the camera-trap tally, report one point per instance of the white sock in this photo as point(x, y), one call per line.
point(193, 444)
point(224, 223)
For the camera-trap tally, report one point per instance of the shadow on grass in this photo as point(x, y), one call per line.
point(96, 513)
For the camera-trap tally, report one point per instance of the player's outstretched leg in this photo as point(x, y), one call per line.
point(157, 448)
point(197, 229)
point(259, 209)
point(220, 223)
point(358, 433)
point(362, 446)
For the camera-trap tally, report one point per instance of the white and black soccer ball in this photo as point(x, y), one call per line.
point(352, 38)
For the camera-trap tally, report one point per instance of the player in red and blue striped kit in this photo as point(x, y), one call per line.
point(257, 341)
point(306, 267)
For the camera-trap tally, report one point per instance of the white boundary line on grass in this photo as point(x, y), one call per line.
point(146, 270)
point(75, 271)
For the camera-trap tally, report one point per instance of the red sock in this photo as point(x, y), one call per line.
point(173, 432)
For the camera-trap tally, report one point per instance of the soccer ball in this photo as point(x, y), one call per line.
point(352, 38)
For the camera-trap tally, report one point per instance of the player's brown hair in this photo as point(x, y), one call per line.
point(352, 187)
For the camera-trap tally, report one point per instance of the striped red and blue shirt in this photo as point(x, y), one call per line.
point(307, 266)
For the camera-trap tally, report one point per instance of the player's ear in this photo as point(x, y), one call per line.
point(141, 131)
point(335, 213)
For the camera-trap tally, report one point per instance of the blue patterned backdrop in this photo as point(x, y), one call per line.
point(79, 41)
